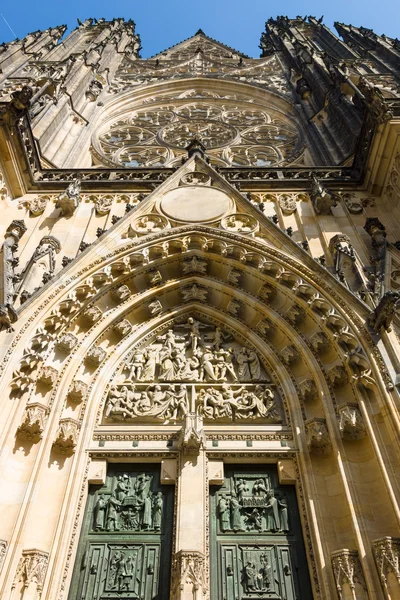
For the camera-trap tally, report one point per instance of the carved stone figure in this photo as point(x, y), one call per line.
point(272, 508)
point(68, 201)
point(384, 313)
point(224, 513)
point(99, 514)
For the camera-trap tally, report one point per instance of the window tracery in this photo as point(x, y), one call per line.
point(233, 133)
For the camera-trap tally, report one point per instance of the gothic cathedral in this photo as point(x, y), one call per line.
point(200, 316)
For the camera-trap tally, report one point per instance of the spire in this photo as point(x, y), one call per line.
point(199, 32)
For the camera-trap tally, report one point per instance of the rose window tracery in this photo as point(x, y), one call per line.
point(233, 134)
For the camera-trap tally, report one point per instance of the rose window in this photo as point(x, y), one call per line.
point(232, 133)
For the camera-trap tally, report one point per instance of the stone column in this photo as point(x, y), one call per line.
point(189, 566)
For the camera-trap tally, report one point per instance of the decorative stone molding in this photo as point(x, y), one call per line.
point(337, 376)
point(77, 391)
point(123, 328)
point(234, 277)
point(387, 556)
point(37, 206)
point(67, 436)
point(32, 568)
point(290, 355)
point(234, 307)
point(188, 569)
point(3, 552)
point(93, 314)
point(95, 356)
point(308, 390)
point(48, 376)
point(121, 293)
point(155, 308)
point(347, 568)
point(68, 201)
point(191, 437)
point(319, 342)
point(102, 205)
point(67, 342)
point(33, 422)
point(194, 293)
point(317, 436)
point(154, 277)
point(194, 265)
point(351, 423)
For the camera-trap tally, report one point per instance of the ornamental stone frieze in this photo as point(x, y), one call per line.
point(347, 569)
point(33, 421)
point(317, 436)
point(387, 557)
point(351, 423)
point(31, 570)
point(66, 436)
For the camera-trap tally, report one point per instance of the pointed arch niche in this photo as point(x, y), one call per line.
point(315, 358)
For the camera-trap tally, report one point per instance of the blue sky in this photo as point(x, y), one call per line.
point(164, 23)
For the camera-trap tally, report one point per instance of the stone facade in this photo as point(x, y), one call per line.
point(199, 315)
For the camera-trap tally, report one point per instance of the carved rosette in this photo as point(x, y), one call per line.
point(317, 435)
point(33, 421)
point(387, 556)
point(77, 391)
point(67, 342)
point(67, 436)
point(347, 569)
point(351, 423)
point(48, 376)
point(32, 568)
point(239, 223)
point(123, 328)
point(188, 569)
point(95, 356)
point(150, 223)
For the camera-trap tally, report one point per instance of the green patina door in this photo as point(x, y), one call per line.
point(125, 545)
point(257, 550)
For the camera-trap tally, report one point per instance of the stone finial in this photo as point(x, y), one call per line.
point(347, 570)
point(351, 423)
point(387, 556)
point(317, 436)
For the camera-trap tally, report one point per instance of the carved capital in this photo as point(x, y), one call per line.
point(347, 569)
point(33, 421)
point(32, 568)
point(188, 573)
point(351, 423)
point(387, 556)
point(317, 436)
point(67, 436)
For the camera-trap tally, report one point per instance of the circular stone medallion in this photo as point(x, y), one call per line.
point(196, 204)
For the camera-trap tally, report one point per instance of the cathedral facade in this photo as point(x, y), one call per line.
point(198, 316)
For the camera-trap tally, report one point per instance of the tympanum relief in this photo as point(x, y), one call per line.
point(193, 367)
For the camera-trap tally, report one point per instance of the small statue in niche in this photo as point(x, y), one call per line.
point(99, 514)
point(157, 511)
point(224, 513)
point(272, 508)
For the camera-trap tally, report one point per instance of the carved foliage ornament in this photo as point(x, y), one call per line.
point(32, 568)
point(347, 570)
point(387, 557)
